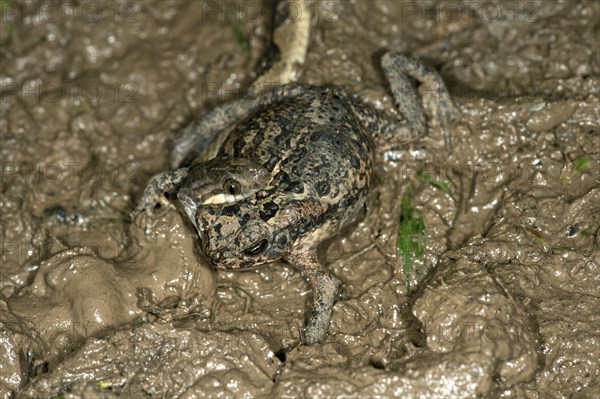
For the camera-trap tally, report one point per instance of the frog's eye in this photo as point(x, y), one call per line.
point(257, 248)
point(232, 187)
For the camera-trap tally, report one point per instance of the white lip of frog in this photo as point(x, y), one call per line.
point(211, 198)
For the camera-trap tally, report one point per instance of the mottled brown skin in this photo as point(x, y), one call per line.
point(320, 159)
point(317, 146)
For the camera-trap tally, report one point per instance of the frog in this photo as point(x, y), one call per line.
point(288, 169)
point(217, 181)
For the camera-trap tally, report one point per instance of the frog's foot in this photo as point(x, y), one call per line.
point(291, 33)
point(436, 98)
point(157, 187)
point(401, 71)
point(324, 287)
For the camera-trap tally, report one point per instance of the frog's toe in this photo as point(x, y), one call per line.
point(149, 202)
point(143, 207)
point(445, 114)
point(158, 186)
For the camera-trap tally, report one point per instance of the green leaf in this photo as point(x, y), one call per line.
point(6, 6)
point(241, 39)
point(427, 178)
point(410, 245)
point(580, 164)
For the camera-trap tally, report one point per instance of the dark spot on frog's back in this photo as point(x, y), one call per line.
point(295, 187)
point(283, 121)
point(269, 210)
point(230, 210)
point(265, 193)
point(346, 202)
point(258, 137)
point(270, 164)
point(238, 146)
point(282, 240)
point(322, 133)
point(323, 188)
point(245, 219)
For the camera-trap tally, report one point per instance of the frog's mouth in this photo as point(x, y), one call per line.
point(238, 268)
point(189, 206)
point(233, 266)
point(216, 197)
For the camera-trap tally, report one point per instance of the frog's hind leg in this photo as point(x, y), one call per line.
point(291, 33)
point(401, 72)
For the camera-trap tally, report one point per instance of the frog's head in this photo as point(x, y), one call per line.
point(236, 236)
point(221, 180)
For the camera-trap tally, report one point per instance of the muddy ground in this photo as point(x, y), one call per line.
point(504, 301)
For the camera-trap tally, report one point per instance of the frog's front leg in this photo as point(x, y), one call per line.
point(157, 187)
point(324, 287)
point(204, 136)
